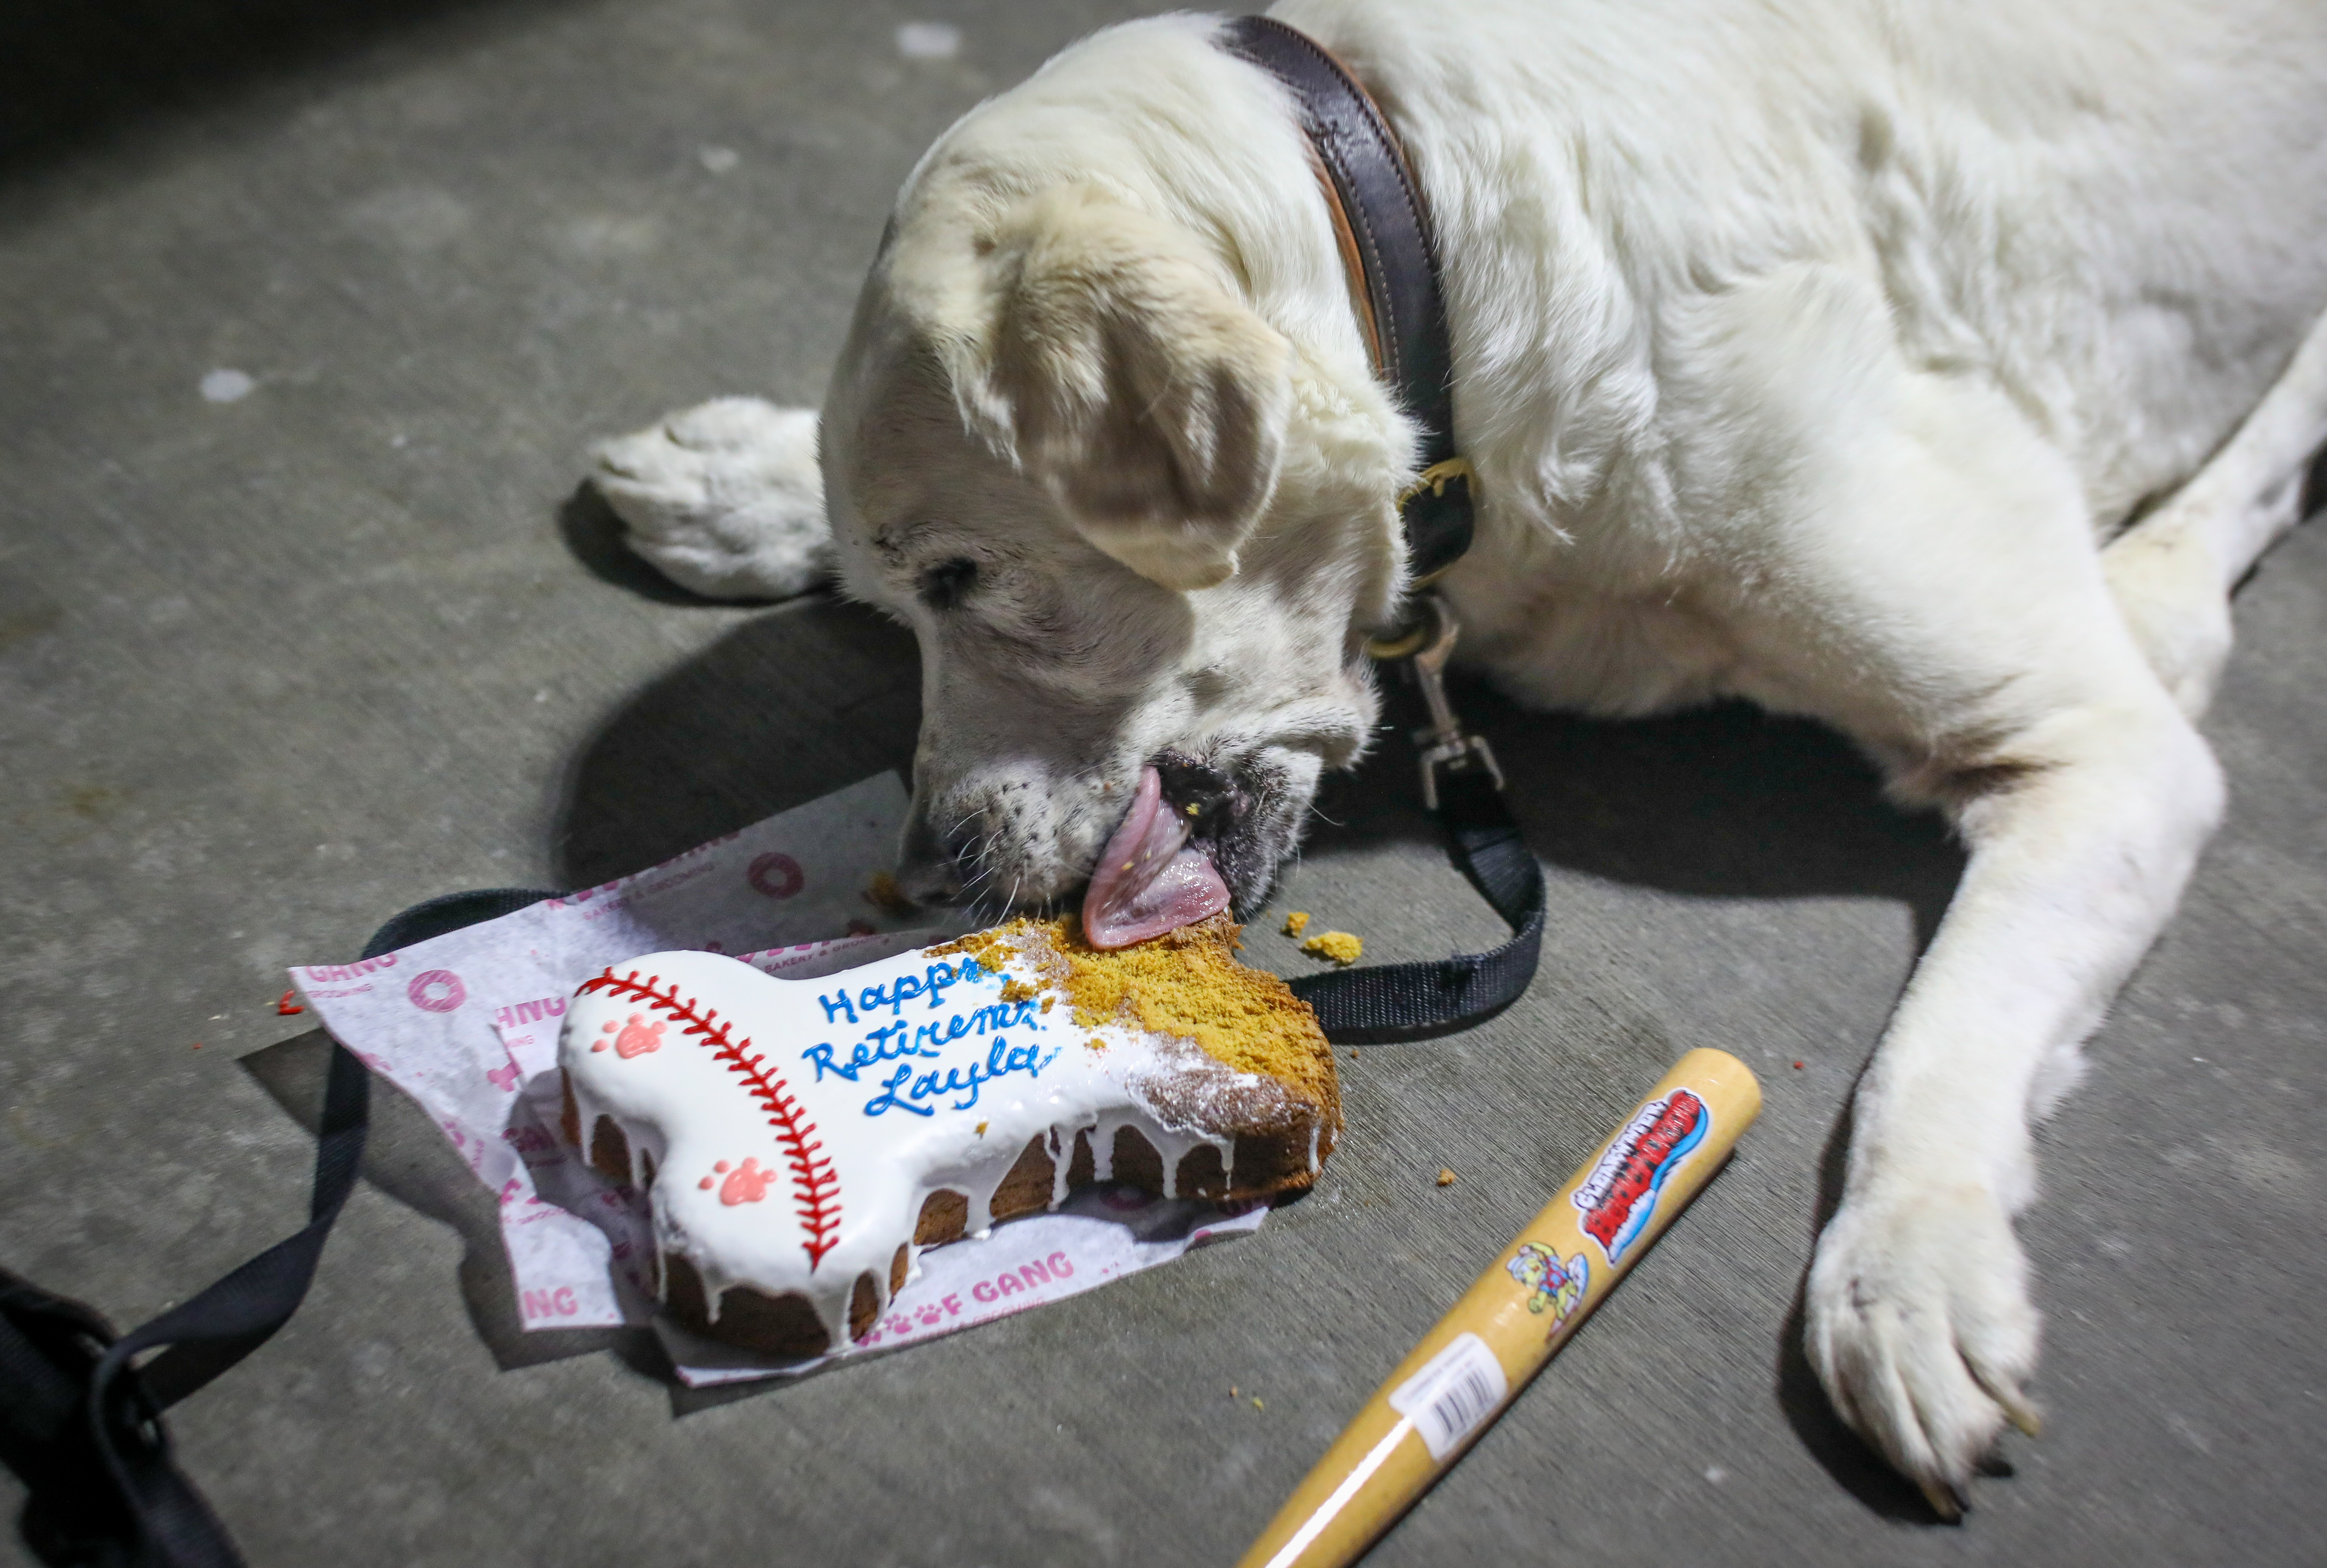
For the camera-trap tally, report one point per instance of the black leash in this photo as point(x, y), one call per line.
point(1382, 225)
point(1382, 1002)
point(81, 1424)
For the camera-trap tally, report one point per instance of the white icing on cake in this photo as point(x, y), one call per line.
point(794, 1127)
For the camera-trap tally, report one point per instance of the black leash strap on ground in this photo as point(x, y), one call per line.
point(1382, 1002)
point(82, 1425)
point(1462, 784)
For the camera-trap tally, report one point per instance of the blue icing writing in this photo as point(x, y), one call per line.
point(875, 1047)
point(1002, 1058)
point(930, 983)
point(888, 1043)
point(997, 1017)
point(888, 1101)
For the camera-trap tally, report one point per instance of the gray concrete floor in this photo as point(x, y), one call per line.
point(272, 668)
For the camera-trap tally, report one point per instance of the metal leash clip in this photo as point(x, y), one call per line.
point(1429, 643)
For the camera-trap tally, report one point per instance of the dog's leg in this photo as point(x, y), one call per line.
point(2173, 571)
point(724, 498)
point(1925, 579)
point(2083, 825)
point(2084, 795)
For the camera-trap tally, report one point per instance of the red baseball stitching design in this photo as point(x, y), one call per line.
point(814, 1183)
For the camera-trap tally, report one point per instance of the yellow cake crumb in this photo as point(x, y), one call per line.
point(981, 1128)
point(1445, 1177)
point(1017, 990)
point(1339, 946)
point(1297, 922)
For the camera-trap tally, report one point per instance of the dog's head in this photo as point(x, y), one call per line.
point(1064, 447)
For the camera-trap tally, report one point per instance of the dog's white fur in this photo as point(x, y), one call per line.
point(1820, 354)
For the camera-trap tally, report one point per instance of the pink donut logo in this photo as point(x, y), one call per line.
point(437, 990)
point(776, 874)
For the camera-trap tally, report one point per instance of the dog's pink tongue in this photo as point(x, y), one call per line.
point(1148, 881)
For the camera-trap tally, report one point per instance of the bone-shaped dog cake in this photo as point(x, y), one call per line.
point(801, 1139)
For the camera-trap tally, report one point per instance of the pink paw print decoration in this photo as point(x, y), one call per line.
point(636, 1038)
point(746, 1183)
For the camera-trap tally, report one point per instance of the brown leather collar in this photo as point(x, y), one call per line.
point(1353, 268)
point(1383, 230)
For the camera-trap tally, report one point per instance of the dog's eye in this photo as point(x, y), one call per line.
point(943, 585)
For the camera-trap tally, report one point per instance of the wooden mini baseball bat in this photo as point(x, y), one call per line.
point(1516, 1316)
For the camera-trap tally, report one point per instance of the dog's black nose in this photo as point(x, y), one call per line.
point(928, 871)
point(1196, 790)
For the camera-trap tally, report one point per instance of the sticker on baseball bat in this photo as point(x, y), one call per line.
point(1620, 1197)
point(1454, 1395)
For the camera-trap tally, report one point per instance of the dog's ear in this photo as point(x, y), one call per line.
point(1110, 360)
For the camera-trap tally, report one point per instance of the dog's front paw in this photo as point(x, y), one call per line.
point(725, 499)
point(1920, 1326)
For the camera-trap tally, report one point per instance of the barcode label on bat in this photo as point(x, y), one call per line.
point(1454, 1395)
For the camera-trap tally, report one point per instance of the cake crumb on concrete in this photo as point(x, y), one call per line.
point(1340, 946)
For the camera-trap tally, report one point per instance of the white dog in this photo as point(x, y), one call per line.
point(1934, 367)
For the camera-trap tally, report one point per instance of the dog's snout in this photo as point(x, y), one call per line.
point(1196, 790)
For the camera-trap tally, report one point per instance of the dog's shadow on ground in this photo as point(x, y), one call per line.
point(795, 702)
point(1722, 801)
